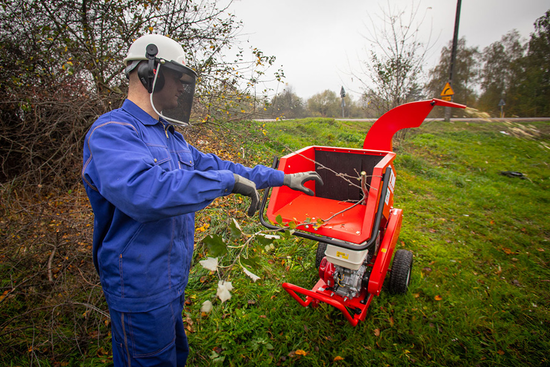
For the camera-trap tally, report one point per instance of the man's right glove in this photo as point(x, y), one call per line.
point(246, 187)
point(296, 181)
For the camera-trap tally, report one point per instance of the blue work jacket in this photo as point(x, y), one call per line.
point(145, 183)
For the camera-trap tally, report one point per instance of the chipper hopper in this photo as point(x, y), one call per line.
point(351, 215)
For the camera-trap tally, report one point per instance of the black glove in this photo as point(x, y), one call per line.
point(296, 181)
point(246, 187)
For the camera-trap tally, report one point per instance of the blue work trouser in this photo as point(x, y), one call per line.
point(153, 338)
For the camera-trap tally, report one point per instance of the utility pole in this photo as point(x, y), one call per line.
point(453, 55)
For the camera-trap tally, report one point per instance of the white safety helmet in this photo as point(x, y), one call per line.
point(150, 54)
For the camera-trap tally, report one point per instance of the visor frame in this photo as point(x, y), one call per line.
point(180, 115)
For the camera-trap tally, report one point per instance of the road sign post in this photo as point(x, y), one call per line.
point(501, 104)
point(343, 95)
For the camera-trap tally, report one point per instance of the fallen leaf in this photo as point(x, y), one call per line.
point(337, 358)
point(438, 298)
point(376, 332)
point(223, 290)
point(501, 352)
point(507, 251)
point(4, 295)
point(252, 276)
point(301, 352)
point(206, 307)
point(210, 263)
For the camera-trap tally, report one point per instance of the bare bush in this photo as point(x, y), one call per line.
point(42, 132)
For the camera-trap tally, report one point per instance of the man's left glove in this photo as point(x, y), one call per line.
point(246, 187)
point(296, 181)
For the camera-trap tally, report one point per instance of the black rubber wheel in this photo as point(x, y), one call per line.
point(401, 270)
point(321, 248)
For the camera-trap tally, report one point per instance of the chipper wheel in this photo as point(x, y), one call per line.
point(400, 276)
point(321, 248)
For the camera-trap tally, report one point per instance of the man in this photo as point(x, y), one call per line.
point(145, 182)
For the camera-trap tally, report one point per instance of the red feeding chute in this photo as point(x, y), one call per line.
point(409, 115)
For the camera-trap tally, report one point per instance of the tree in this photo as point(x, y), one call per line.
point(62, 66)
point(530, 95)
point(324, 104)
point(393, 68)
point(500, 71)
point(466, 75)
point(353, 108)
point(287, 105)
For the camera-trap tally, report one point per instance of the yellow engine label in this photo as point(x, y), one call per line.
point(343, 255)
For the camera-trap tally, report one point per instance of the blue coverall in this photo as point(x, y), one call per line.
point(145, 182)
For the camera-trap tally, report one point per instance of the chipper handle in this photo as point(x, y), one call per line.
point(408, 115)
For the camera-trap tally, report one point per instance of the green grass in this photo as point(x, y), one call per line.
point(480, 288)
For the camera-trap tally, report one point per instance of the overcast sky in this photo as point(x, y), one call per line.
point(319, 43)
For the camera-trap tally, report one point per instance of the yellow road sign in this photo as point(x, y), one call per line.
point(447, 90)
point(446, 98)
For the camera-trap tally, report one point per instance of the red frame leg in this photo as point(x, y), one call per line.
point(320, 294)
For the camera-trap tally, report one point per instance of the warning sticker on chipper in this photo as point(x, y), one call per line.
point(392, 181)
point(388, 197)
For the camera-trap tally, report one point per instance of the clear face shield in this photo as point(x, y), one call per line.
point(173, 91)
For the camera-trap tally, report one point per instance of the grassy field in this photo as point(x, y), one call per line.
point(480, 289)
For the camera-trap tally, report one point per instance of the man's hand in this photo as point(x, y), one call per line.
point(296, 181)
point(246, 187)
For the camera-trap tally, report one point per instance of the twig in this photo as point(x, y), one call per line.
point(86, 280)
point(34, 356)
point(50, 276)
point(337, 174)
point(342, 211)
point(92, 307)
point(17, 286)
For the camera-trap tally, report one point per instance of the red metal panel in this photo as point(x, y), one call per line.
point(300, 161)
point(385, 253)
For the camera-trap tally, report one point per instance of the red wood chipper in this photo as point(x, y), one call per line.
point(351, 215)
